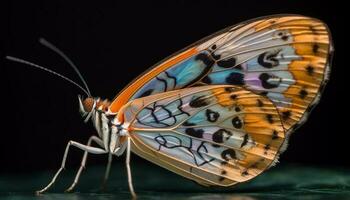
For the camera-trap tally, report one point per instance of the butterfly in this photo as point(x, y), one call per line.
point(220, 111)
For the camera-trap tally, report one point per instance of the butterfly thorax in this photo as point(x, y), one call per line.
point(111, 130)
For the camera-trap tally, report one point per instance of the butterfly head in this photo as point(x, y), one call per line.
point(90, 104)
point(86, 106)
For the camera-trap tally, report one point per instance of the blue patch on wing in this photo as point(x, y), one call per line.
point(178, 76)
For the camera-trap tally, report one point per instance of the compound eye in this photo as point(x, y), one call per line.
point(88, 104)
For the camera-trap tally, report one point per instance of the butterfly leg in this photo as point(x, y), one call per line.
point(83, 161)
point(89, 149)
point(131, 187)
point(108, 169)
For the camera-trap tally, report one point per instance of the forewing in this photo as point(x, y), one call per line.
point(215, 135)
point(282, 57)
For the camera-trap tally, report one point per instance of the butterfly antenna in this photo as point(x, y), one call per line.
point(47, 70)
point(69, 61)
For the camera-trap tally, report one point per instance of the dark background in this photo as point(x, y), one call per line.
point(114, 41)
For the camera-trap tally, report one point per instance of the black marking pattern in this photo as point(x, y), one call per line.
point(268, 59)
point(199, 102)
point(196, 152)
point(198, 133)
point(269, 118)
point(303, 93)
point(315, 48)
point(212, 116)
point(227, 63)
point(235, 78)
point(237, 109)
point(245, 140)
point(187, 123)
point(264, 78)
point(274, 135)
point(286, 115)
point(233, 96)
point(221, 135)
point(164, 82)
point(172, 78)
point(206, 59)
point(283, 36)
point(167, 119)
point(206, 80)
point(228, 154)
point(310, 70)
point(216, 56)
point(237, 122)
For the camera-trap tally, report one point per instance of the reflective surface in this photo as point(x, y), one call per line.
point(152, 182)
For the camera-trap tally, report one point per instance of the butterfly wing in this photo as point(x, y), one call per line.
point(285, 59)
point(282, 57)
point(214, 135)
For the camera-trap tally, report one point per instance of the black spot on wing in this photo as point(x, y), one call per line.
point(286, 115)
point(237, 122)
point(235, 78)
point(206, 80)
point(228, 154)
point(219, 135)
point(245, 173)
point(227, 63)
point(315, 48)
point(216, 56)
point(260, 103)
point(199, 102)
point(245, 140)
point(198, 133)
point(237, 109)
point(233, 96)
point(285, 37)
point(186, 123)
point(264, 78)
point(229, 89)
point(207, 60)
point(267, 147)
point(268, 59)
point(223, 172)
point(303, 93)
point(212, 116)
point(269, 118)
point(310, 70)
point(274, 134)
